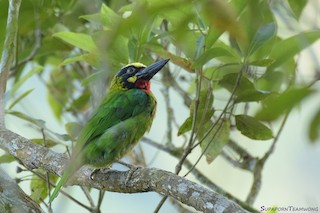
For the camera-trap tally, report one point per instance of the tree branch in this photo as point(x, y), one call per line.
point(143, 180)
point(8, 51)
point(13, 199)
point(177, 152)
point(165, 183)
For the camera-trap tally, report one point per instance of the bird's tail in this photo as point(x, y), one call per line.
point(69, 170)
point(55, 192)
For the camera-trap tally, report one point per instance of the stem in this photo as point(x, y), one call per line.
point(257, 173)
point(47, 173)
point(188, 149)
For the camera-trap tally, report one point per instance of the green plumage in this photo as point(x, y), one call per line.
point(123, 117)
point(120, 122)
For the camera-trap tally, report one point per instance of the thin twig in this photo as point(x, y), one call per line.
point(188, 149)
point(257, 174)
point(224, 110)
point(47, 173)
point(166, 95)
point(246, 161)
point(62, 191)
point(176, 152)
point(100, 199)
point(216, 122)
point(206, 148)
point(88, 196)
point(174, 85)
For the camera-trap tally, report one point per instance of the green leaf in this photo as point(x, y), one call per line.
point(297, 6)
point(216, 73)
point(106, 17)
point(262, 36)
point(177, 60)
point(211, 54)
point(48, 143)
point(37, 122)
point(90, 58)
point(6, 158)
point(23, 79)
point(73, 129)
point(117, 50)
point(288, 48)
point(72, 60)
point(39, 187)
point(252, 128)
point(94, 76)
point(186, 126)
point(246, 91)
point(204, 112)
point(20, 98)
point(262, 63)
point(271, 81)
point(199, 46)
point(251, 95)
point(223, 17)
point(275, 106)
point(132, 44)
point(213, 144)
point(55, 105)
point(82, 102)
point(80, 40)
point(314, 127)
point(59, 89)
point(201, 24)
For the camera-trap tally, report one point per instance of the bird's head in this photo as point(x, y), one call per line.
point(137, 75)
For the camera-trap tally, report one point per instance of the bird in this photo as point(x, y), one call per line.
point(119, 122)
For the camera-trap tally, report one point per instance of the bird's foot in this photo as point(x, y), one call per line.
point(132, 169)
point(93, 173)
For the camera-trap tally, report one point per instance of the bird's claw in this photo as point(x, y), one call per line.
point(130, 173)
point(93, 173)
point(132, 169)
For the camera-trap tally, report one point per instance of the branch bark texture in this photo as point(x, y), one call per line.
point(142, 180)
point(169, 184)
point(13, 199)
point(8, 51)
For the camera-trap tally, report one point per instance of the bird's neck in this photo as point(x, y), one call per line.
point(144, 85)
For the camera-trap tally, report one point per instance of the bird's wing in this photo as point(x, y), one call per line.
point(115, 108)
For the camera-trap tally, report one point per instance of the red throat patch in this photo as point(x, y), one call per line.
point(143, 85)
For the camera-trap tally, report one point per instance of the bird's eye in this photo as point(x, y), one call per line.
point(130, 70)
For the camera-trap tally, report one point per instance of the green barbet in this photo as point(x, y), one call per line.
point(123, 117)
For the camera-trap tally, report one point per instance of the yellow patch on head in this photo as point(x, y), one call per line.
point(132, 79)
point(137, 64)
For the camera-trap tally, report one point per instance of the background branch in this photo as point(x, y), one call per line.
point(13, 199)
point(143, 180)
point(8, 51)
point(177, 152)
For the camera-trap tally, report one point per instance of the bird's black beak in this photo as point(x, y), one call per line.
point(148, 72)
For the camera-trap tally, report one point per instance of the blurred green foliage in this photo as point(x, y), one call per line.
point(231, 46)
